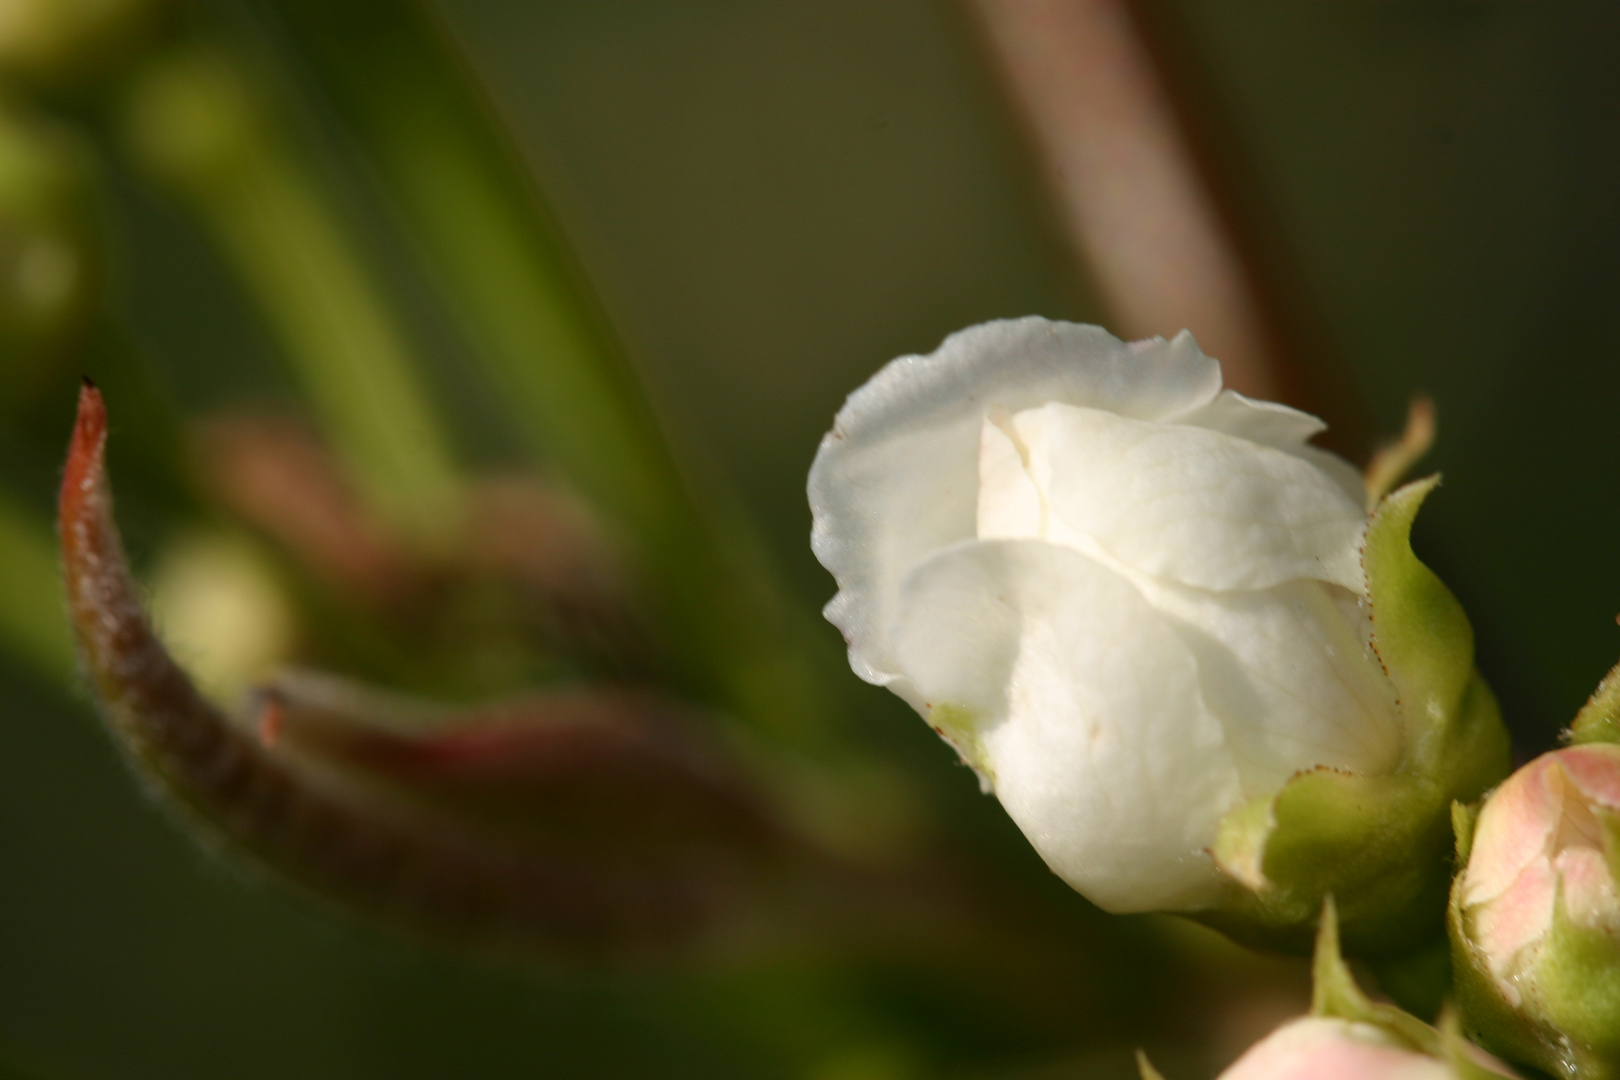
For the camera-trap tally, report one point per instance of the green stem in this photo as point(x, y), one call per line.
point(540, 334)
point(194, 124)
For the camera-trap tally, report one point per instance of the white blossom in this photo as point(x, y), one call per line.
point(1132, 600)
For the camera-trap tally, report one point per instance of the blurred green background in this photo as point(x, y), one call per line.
point(772, 200)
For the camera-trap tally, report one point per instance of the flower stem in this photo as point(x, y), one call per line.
point(540, 334)
point(194, 124)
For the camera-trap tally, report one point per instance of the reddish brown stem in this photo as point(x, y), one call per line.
point(523, 855)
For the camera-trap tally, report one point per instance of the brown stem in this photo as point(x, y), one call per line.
point(424, 828)
point(1104, 89)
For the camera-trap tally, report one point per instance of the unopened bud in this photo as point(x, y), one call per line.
point(1163, 627)
point(1535, 919)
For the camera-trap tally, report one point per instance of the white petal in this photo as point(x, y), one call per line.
point(1293, 683)
point(897, 477)
point(1195, 506)
point(1266, 422)
point(1279, 427)
point(1089, 715)
point(1010, 505)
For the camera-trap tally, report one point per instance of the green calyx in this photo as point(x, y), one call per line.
point(1381, 845)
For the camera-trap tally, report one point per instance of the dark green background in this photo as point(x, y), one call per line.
point(774, 199)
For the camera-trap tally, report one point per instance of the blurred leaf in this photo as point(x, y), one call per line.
point(195, 123)
point(489, 241)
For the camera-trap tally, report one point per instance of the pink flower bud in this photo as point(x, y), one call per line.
point(1535, 920)
point(1539, 838)
point(1328, 1048)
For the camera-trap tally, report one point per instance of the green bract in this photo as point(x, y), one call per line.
point(1379, 844)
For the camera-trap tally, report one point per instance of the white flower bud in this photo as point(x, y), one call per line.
point(1132, 600)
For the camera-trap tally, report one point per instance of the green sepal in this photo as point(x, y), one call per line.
point(1455, 735)
point(1599, 718)
point(1419, 630)
point(1145, 1068)
point(1381, 845)
point(1335, 994)
point(1578, 992)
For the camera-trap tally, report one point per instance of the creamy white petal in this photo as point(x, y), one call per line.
point(896, 478)
point(1192, 505)
point(1293, 684)
point(1010, 505)
point(1266, 422)
point(1088, 715)
point(1279, 427)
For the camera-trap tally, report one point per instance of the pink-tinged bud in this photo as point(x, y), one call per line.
point(1327, 1048)
point(1535, 916)
point(1348, 1036)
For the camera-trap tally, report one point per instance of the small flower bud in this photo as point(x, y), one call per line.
point(1347, 1036)
point(1320, 1048)
point(1535, 919)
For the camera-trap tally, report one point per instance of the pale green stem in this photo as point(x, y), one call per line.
point(539, 333)
point(194, 125)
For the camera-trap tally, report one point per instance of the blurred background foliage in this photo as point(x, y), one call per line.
point(769, 200)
